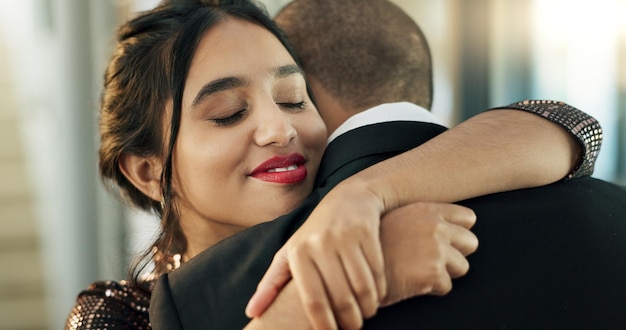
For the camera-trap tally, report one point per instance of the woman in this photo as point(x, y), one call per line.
point(211, 130)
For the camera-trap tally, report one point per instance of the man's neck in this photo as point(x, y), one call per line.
point(399, 111)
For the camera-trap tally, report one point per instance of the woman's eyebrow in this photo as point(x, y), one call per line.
point(227, 83)
point(218, 85)
point(287, 70)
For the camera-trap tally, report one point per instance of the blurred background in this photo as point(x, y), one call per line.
point(60, 230)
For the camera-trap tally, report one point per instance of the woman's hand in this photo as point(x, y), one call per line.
point(425, 245)
point(335, 259)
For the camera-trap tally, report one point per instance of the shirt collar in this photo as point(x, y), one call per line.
point(399, 111)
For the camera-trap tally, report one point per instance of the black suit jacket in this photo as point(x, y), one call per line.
point(212, 289)
point(552, 257)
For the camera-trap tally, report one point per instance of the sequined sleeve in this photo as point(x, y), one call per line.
point(106, 305)
point(583, 127)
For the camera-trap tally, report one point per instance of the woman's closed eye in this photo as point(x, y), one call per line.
point(229, 120)
point(235, 117)
point(292, 106)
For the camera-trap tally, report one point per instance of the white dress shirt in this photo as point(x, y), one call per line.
point(399, 111)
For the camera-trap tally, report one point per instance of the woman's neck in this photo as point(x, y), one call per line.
point(202, 234)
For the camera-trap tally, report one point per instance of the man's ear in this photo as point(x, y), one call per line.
point(144, 173)
point(329, 106)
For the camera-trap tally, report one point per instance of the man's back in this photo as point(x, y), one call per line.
point(526, 273)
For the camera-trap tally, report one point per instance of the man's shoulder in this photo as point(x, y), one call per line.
point(586, 187)
point(212, 288)
point(579, 197)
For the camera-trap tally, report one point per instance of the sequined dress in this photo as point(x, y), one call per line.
point(108, 305)
point(118, 305)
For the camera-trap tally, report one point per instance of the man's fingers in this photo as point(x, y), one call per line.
point(275, 278)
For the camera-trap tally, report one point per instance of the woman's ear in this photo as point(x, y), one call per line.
point(144, 173)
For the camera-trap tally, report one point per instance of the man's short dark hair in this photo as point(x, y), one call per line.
point(364, 52)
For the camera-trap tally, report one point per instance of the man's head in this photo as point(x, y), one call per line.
point(360, 53)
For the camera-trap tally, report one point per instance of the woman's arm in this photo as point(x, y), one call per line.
point(424, 245)
point(286, 312)
point(492, 152)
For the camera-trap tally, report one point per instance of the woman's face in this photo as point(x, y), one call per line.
point(250, 139)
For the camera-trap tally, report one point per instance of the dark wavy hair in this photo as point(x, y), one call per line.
point(148, 69)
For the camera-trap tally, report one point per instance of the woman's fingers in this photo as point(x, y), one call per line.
point(313, 292)
point(455, 222)
point(453, 214)
point(425, 245)
point(273, 281)
point(344, 273)
point(373, 253)
point(361, 279)
point(463, 240)
point(456, 265)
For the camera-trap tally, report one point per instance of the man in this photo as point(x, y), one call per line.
point(225, 277)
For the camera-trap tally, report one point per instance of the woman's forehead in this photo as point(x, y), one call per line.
point(235, 47)
point(238, 38)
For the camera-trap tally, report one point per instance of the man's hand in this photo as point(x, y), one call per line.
point(336, 262)
point(425, 245)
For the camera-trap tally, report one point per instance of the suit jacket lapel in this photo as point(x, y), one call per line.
point(371, 140)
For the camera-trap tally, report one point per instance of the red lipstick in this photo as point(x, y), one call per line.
point(281, 169)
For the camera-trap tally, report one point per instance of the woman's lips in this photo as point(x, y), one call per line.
point(282, 169)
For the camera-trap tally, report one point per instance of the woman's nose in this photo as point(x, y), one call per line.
point(274, 128)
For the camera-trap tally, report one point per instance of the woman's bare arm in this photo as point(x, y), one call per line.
point(492, 152)
point(424, 245)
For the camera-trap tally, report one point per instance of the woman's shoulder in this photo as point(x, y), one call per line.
point(107, 304)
